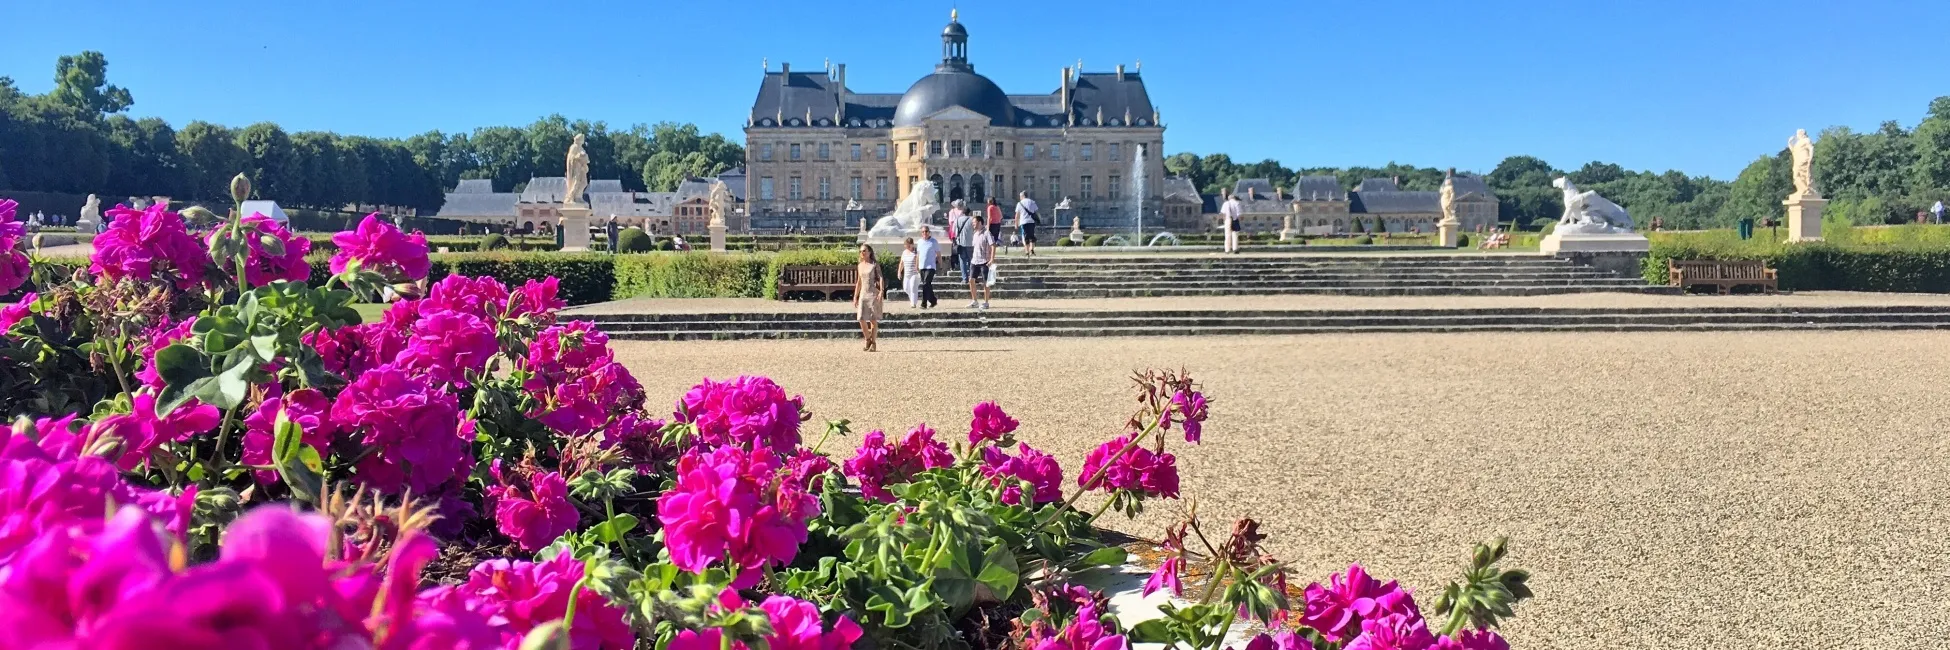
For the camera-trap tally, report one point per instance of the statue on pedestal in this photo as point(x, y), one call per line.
point(91, 214)
point(576, 173)
point(1586, 212)
point(908, 217)
point(719, 203)
point(1449, 195)
point(1803, 152)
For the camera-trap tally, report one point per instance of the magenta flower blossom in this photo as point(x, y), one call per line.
point(14, 267)
point(1335, 610)
point(1278, 640)
point(796, 625)
point(877, 464)
point(1034, 466)
point(449, 346)
point(45, 487)
point(260, 266)
point(1085, 633)
point(141, 431)
point(151, 244)
point(16, 312)
point(751, 412)
point(989, 423)
point(1138, 470)
point(380, 247)
point(1190, 411)
point(1472, 640)
point(531, 507)
point(1167, 577)
point(419, 439)
point(733, 507)
point(806, 468)
point(159, 337)
point(639, 440)
point(516, 596)
point(575, 380)
point(537, 301)
point(307, 407)
point(483, 297)
point(11, 229)
point(352, 350)
point(1393, 632)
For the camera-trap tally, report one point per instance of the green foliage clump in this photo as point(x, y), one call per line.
point(889, 264)
point(1912, 258)
point(494, 242)
point(1094, 240)
point(634, 240)
point(1363, 240)
point(1064, 242)
point(690, 275)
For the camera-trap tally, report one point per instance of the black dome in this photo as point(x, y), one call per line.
point(955, 29)
point(942, 90)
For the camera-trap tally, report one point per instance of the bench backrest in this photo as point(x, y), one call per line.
point(1721, 269)
point(816, 275)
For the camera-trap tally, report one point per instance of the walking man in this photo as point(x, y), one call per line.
point(929, 252)
point(1231, 210)
point(1026, 222)
point(963, 227)
point(981, 256)
point(614, 232)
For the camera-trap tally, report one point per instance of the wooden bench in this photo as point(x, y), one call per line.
point(1724, 275)
point(827, 280)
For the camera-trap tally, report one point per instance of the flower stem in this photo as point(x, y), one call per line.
point(1101, 511)
point(569, 614)
point(1099, 476)
point(1225, 569)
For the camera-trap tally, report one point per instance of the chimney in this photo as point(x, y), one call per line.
point(1065, 92)
point(839, 93)
point(1279, 193)
point(1120, 72)
point(1397, 180)
point(785, 81)
point(1252, 194)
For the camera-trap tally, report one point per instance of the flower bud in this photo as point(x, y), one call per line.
point(240, 188)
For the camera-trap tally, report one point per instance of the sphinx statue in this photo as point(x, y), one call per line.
point(908, 217)
point(1586, 212)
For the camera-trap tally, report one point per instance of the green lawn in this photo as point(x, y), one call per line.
point(369, 311)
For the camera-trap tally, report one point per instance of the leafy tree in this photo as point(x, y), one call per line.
point(81, 83)
point(1932, 150)
point(273, 164)
point(1758, 190)
point(210, 157)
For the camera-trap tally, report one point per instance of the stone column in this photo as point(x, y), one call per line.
point(1804, 216)
point(574, 220)
point(1286, 229)
point(717, 236)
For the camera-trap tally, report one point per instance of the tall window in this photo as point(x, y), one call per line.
point(975, 148)
point(794, 153)
point(1116, 184)
point(854, 192)
point(911, 182)
point(880, 188)
point(954, 148)
point(1056, 151)
point(765, 187)
point(880, 152)
point(856, 152)
point(825, 188)
point(1084, 185)
point(765, 151)
point(1083, 151)
point(1029, 151)
point(792, 190)
point(934, 147)
point(999, 150)
point(1055, 186)
point(824, 152)
point(911, 146)
point(1114, 152)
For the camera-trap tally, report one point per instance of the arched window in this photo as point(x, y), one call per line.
point(938, 189)
point(977, 190)
point(955, 192)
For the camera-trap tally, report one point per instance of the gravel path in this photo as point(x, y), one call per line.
point(1737, 490)
point(1596, 300)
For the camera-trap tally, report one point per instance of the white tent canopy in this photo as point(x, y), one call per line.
point(266, 208)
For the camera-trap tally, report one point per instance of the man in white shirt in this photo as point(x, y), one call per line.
point(1231, 210)
point(981, 254)
point(929, 250)
point(962, 227)
point(1026, 221)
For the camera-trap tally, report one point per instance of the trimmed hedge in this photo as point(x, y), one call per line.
point(585, 277)
point(494, 242)
point(633, 240)
point(1095, 240)
point(889, 265)
point(1921, 266)
point(690, 275)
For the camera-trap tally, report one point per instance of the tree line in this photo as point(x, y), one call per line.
point(73, 139)
point(1870, 178)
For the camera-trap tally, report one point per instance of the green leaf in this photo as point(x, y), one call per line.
point(999, 572)
point(287, 438)
point(1106, 556)
point(613, 529)
point(232, 386)
point(1157, 630)
point(308, 456)
point(174, 395)
point(265, 346)
point(181, 364)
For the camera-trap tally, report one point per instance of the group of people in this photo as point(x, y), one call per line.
point(975, 240)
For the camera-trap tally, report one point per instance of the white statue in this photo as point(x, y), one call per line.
point(852, 205)
point(1449, 195)
point(719, 203)
point(577, 173)
point(1586, 212)
point(91, 212)
point(1803, 151)
point(912, 213)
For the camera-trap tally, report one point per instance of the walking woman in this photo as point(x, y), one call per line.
point(867, 296)
point(994, 213)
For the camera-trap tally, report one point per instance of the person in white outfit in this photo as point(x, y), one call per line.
point(1026, 221)
point(981, 257)
point(1231, 210)
point(911, 274)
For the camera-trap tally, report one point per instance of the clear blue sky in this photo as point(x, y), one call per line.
point(1702, 86)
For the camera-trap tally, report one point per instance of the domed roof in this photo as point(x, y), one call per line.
point(955, 29)
point(949, 88)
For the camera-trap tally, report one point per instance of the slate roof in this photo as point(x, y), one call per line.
point(544, 189)
point(1470, 183)
point(1103, 90)
point(1180, 187)
point(1261, 188)
point(1396, 202)
point(605, 185)
point(478, 204)
point(692, 188)
point(735, 181)
point(1318, 188)
point(475, 186)
point(1377, 185)
point(631, 204)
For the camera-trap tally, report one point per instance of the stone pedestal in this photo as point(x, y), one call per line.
point(575, 227)
point(1621, 253)
point(1804, 216)
point(1448, 232)
point(1076, 231)
point(717, 236)
point(1286, 229)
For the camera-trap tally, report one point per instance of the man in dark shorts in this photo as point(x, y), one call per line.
point(1026, 220)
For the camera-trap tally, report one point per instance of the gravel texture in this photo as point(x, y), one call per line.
point(1595, 300)
point(1701, 490)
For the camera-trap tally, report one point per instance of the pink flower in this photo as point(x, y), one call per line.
point(750, 412)
point(306, 407)
point(796, 625)
point(731, 506)
point(1472, 640)
point(159, 337)
point(989, 423)
point(1191, 411)
point(806, 468)
point(1278, 640)
point(352, 350)
point(141, 431)
point(14, 267)
point(516, 596)
point(575, 380)
point(483, 297)
point(11, 229)
point(151, 244)
point(1393, 632)
point(705, 639)
point(531, 507)
point(449, 346)
point(1336, 609)
point(1167, 577)
point(380, 247)
point(419, 439)
point(537, 301)
point(1036, 467)
point(260, 266)
point(1085, 633)
point(640, 440)
point(1138, 470)
point(16, 312)
point(877, 465)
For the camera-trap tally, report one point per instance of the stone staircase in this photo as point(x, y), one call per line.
point(1054, 276)
point(902, 323)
